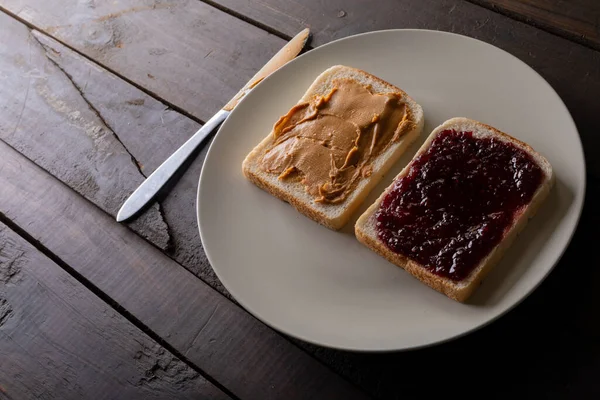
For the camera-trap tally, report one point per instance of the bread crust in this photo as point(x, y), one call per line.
point(459, 291)
point(334, 216)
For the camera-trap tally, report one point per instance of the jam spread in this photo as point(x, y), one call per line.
point(456, 201)
point(329, 143)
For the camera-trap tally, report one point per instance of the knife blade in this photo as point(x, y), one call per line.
point(151, 186)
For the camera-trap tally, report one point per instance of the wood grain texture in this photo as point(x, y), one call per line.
point(221, 339)
point(186, 52)
point(137, 130)
point(572, 70)
point(578, 20)
point(59, 341)
point(151, 132)
point(46, 117)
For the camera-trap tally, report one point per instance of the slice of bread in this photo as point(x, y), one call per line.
point(334, 216)
point(366, 228)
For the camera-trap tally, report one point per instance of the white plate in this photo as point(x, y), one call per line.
point(325, 287)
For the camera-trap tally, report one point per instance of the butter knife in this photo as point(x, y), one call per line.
point(148, 190)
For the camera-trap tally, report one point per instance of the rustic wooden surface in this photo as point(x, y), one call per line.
point(169, 66)
point(578, 20)
point(58, 340)
point(47, 119)
point(135, 134)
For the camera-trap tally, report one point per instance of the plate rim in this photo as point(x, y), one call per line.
point(578, 202)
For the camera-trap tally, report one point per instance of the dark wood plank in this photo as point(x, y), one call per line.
point(578, 20)
point(60, 341)
point(151, 133)
point(573, 70)
point(186, 52)
point(46, 117)
point(139, 132)
point(214, 334)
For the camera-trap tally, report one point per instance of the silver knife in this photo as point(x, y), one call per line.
point(147, 191)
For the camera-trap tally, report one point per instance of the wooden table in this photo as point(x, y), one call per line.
point(94, 95)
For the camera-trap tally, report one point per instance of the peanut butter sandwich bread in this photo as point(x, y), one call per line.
point(327, 153)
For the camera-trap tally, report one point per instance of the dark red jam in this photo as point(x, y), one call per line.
point(455, 203)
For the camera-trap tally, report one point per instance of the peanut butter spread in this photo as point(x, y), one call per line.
point(330, 143)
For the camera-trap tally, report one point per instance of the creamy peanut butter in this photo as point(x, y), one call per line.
point(329, 144)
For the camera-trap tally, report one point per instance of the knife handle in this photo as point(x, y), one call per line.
point(152, 185)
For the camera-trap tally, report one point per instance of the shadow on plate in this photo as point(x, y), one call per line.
point(525, 247)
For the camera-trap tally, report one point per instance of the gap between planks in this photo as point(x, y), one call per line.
point(109, 301)
point(249, 20)
point(573, 37)
point(104, 66)
point(55, 333)
point(481, 3)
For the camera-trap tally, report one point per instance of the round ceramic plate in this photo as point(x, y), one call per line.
point(325, 287)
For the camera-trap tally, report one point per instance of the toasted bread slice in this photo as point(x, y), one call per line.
point(366, 228)
point(334, 216)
